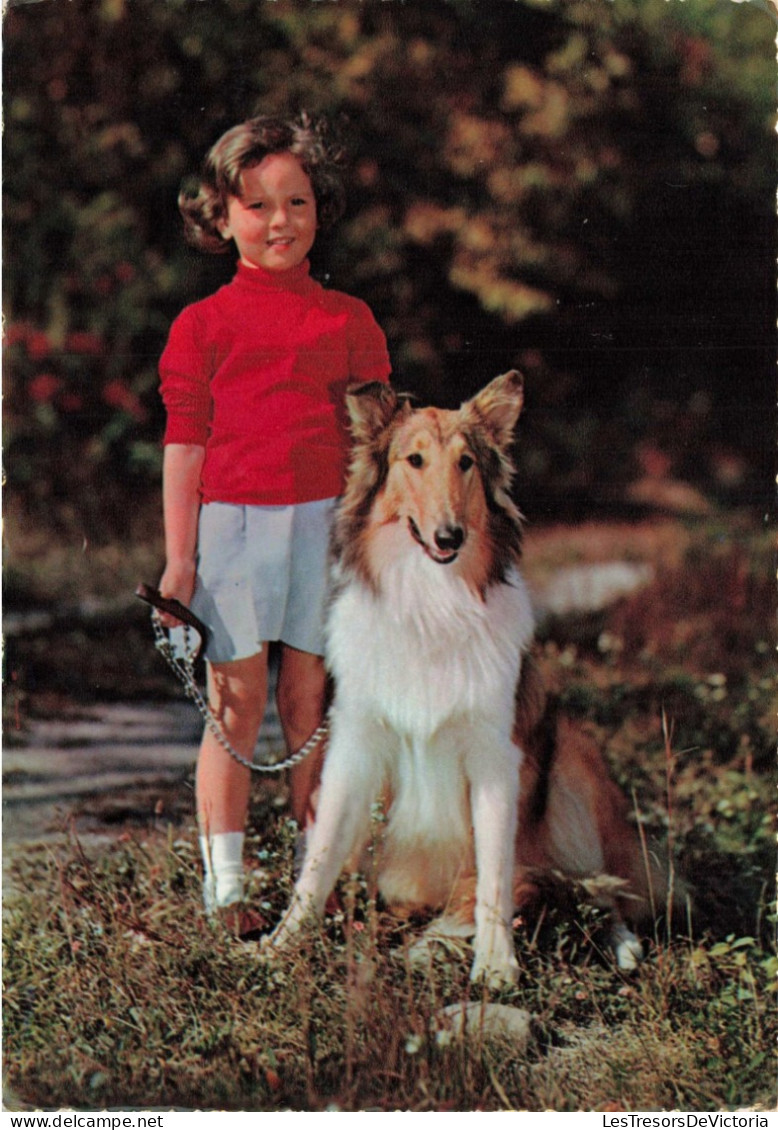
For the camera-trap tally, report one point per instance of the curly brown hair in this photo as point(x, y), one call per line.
point(203, 204)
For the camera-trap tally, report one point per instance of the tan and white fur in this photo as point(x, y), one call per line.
point(436, 703)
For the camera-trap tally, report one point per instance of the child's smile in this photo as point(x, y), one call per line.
point(273, 222)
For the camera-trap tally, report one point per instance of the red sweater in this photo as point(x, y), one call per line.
point(257, 374)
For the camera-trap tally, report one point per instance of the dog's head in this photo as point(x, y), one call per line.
point(432, 481)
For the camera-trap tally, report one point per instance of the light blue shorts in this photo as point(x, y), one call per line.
point(261, 576)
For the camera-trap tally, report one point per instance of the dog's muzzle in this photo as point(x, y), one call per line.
point(448, 542)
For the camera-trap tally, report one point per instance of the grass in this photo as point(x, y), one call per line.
point(119, 992)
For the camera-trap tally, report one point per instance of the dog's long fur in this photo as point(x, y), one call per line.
point(438, 709)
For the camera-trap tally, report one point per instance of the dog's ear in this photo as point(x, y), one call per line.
point(498, 406)
point(371, 407)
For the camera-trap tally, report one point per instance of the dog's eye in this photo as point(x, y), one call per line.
point(416, 460)
point(466, 462)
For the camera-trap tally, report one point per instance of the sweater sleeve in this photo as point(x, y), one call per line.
point(368, 352)
point(185, 370)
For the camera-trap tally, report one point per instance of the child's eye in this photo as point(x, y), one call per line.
point(466, 462)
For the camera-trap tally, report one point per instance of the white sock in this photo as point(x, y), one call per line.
point(223, 863)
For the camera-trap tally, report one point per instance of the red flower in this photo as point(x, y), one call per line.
point(17, 332)
point(119, 396)
point(44, 387)
point(38, 345)
point(84, 341)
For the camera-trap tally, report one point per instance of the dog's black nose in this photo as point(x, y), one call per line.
point(449, 538)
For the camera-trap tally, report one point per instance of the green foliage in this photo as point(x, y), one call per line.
point(580, 186)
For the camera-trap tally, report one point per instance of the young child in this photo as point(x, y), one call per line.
point(253, 379)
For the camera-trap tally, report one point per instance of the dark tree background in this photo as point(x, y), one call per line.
point(582, 188)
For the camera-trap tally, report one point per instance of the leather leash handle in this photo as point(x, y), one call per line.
point(173, 607)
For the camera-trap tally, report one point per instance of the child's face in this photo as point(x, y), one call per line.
point(273, 222)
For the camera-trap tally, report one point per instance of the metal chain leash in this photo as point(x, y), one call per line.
point(183, 667)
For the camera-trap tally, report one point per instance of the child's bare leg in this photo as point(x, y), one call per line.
point(301, 694)
point(237, 694)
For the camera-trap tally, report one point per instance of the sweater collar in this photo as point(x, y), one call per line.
point(295, 279)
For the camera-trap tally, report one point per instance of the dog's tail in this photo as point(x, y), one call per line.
point(575, 820)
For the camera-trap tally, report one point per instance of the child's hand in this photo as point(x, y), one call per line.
point(177, 582)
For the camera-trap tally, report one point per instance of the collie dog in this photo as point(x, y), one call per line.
point(438, 711)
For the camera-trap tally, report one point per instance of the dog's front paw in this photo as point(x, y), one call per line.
point(295, 918)
point(274, 945)
point(495, 965)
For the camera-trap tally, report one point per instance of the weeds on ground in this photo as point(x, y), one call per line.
point(119, 992)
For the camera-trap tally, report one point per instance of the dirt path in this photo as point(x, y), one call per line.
point(103, 770)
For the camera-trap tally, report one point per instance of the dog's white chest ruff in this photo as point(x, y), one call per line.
point(427, 674)
point(426, 650)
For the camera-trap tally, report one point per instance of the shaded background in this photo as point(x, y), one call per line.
point(581, 188)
